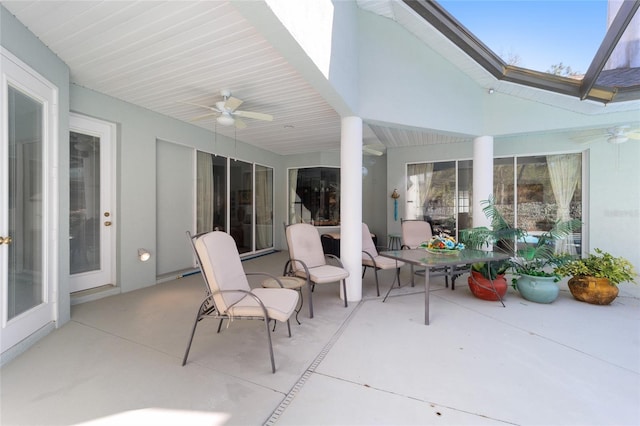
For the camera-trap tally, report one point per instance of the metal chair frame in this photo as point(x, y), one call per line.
point(288, 270)
point(208, 309)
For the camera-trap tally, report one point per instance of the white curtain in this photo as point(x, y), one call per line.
point(424, 174)
point(564, 172)
point(204, 196)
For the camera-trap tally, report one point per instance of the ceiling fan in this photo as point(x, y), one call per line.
point(613, 135)
point(622, 134)
point(227, 111)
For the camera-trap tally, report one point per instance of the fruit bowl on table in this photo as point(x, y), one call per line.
point(445, 252)
point(443, 244)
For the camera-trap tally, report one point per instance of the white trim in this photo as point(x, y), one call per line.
point(28, 81)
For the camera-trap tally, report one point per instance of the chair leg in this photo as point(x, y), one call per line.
point(375, 270)
point(202, 311)
point(193, 332)
point(273, 362)
point(289, 327)
point(364, 269)
point(310, 291)
point(344, 289)
point(220, 325)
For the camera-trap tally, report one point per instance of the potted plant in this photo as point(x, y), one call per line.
point(595, 278)
point(533, 258)
point(483, 275)
point(535, 263)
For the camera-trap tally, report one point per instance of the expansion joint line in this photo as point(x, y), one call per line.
point(310, 370)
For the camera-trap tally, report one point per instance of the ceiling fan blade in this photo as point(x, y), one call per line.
point(199, 105)
point(254, 115)
point(371, 151)
point(240, 124)
point(633, 135)
point(232, 104)
point(200, 117)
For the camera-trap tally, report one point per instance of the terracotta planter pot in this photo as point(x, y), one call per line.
point(480, 286)
point(598, 291)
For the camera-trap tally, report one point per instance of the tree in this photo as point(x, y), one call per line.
point(562, 70)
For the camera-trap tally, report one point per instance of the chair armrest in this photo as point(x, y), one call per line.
point(370, 257)
point(334, 257)
point(290, 272)
point(248, 293)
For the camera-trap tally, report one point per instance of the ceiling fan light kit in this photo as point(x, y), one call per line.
point(225, 119)
point(616, 139)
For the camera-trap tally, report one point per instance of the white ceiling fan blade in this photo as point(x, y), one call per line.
point(634, 135)
point(240, 124)
point(231, 104)
point(200, 117)
point(372, 151)
point(199, 105)
point(254, 115)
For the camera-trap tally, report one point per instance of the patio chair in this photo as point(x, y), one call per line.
point(307, 260)
point(228, 295)
point(371, 258)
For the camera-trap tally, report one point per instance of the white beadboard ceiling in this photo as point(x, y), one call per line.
point(156, 53)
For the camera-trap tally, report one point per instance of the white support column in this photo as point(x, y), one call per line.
point(351, 205)
point(482, 177)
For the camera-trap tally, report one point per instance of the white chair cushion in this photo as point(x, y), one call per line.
point(367, 242)
point(415, 232)
point(221, 263)
point(382, 262)
point(305, 245)
point(280, 304)
point(325, 274)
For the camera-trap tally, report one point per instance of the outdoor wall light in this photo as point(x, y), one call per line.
point(490, 91)
point(143, 255)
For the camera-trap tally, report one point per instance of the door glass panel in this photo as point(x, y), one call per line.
point(440, 204)
point(503, 187)
point(314, 196)
point(84, 200)
point(264, 207)
point(465, 196)
point(25, 256)
point(240, 187)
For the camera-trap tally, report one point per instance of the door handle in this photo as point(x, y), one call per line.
point(5, 240)
point(107, 223)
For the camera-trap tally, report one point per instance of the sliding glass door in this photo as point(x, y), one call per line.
point(236, 197)
point(532, 193)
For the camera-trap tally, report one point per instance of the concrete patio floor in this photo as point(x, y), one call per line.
point(118, 361)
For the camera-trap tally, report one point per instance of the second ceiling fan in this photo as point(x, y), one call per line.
point(227, 111)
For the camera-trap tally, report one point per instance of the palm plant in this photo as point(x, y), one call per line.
point(530, 259)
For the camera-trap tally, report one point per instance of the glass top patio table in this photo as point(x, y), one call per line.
point(421, 257)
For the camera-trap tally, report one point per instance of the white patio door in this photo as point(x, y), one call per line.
point(91, 218)
point(27, 201)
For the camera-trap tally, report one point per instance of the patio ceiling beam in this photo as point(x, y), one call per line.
point(614, 33)
point(452, 29)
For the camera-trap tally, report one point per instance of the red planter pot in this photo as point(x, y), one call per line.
point(481, 287)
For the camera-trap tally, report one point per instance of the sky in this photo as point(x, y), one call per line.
point(541, 32)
